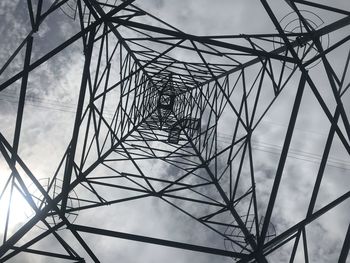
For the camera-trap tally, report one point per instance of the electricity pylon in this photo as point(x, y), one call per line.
point(153, 95)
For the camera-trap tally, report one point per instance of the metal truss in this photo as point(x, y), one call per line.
point(142, 104)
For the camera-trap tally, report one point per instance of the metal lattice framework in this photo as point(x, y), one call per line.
point(152, 95)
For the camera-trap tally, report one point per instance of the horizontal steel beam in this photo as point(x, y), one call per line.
point(157, 241)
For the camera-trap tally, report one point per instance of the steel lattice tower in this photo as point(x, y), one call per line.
point(152, 95)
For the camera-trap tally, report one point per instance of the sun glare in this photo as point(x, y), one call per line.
point(14, 208)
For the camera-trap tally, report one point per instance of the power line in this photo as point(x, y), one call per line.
point(294, 153)
point(260, 146)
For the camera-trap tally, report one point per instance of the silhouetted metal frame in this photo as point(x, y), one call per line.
point(156, 73)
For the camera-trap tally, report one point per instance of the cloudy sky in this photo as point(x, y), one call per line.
point(48, 122)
